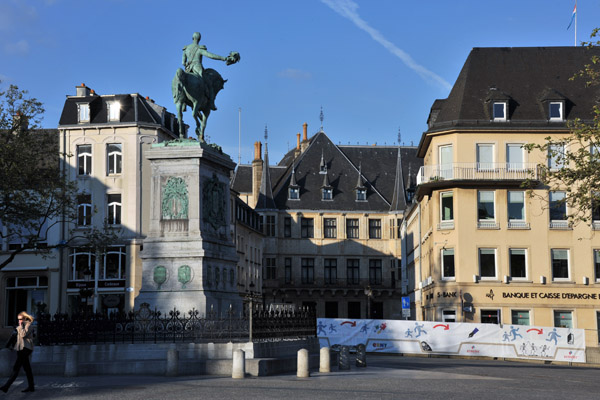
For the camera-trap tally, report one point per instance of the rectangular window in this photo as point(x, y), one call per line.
point(487, 263)
point(560, 264)
point(485, 205)
point(330, 265)
point(361, 194)
point(114, 111)
point(556, 156)
point(308, 270)
point(518, 263)
point(374, 229)
point(84, 209)
point(114, 209)
point(84, 159)
point(597, 265)
point(270, 268)
point(307, 227)
point(558, 206)
point(596, 211)
point(447, 206)
point(514, 156)
point(449, 315)
point(294, 193)
point(563, 319)
point(288, 270)
point(114, 155)
point(446, 160)
point(520, 317)
point(330, 227)
point(353, 271)
point(327, 194)
point(447, 263)
point(115, 262)
point(83, 112)
point(375, 272)
point(287, 227)
point(556, 111)
point(352, 228)
point(516, 206)
point(270, 225)
point(490, 316)
point(499, 111)
point(485, 156)
point(81, 261)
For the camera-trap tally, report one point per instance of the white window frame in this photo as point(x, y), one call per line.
point(294, 193)
point(522, 310)
point(555, 165)
point(558, 223)
point(121, 251)
point(444, 314)
point(504, 105)
point(561, 111)
point(510, 164)
point(495, 277)
point(114, 111)
point(111, 210)
point(87, 209)
point(560, 279)
point(446, 169)
point(485, 165)
point(84, 156)
point(361, 194)
point(83, 112)
point(594, 253)
point(446, 223)
point(114, 157)
point(555, 311)
point(447, 278)
point(518, 278)
point(327, 194)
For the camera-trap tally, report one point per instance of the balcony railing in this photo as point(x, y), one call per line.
point(477, 172)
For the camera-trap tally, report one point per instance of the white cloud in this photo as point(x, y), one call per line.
point(349, 10)
point(18, 48)
point(295, 74)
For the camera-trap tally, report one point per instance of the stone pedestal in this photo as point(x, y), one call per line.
point(189, 258)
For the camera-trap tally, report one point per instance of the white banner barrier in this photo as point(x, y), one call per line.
point(460, 339)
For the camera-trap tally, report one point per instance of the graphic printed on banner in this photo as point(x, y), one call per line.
point(468, 339)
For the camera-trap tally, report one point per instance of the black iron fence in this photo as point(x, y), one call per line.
point(151, 326)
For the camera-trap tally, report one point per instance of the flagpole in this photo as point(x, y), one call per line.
point(575, 23)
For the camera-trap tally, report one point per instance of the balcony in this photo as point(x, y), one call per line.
point(477, 172)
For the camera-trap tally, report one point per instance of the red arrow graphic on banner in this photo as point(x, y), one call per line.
point(539, 331)
point(446, 327)
point(352, 323)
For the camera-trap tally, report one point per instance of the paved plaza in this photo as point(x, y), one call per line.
point(386, 377)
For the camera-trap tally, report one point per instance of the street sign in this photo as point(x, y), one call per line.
point(405, 307)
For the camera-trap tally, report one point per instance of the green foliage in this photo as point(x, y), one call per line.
point(35, 195)
point(579, 172)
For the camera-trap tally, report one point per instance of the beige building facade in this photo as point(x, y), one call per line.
point(480, 247)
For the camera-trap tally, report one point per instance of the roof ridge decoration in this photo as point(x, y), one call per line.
point(359, 183)
point(265, 193)
point(399, 187)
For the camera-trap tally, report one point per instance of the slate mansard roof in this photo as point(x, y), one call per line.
point(526, 77)
point(134, 109)
point(377, 165)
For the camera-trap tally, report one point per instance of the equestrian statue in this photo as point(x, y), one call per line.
point(198, 87)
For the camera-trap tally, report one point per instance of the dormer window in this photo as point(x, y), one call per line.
point(499, 111)
point(83, 112)
point(294, 193)
point(555, 112)
point(361, 194)
point(114, 111)
point(327, 193)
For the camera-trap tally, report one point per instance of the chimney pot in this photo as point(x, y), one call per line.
point(305, 130)
point(297, 141)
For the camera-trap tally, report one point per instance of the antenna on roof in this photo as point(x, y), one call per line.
point(239, 135)
point(321, 117)
point(399, 137)
point(266, 133)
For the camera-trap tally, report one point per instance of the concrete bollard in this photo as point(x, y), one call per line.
point(361, 355)
point(325, 360)
point(72, 362)
point(303, 364)
point(238, 367)
point(172, 361)
point(5, 363)
point(344, 362)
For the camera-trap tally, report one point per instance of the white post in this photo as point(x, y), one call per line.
point(303, 364)
point(325, 360)
point(238, 368)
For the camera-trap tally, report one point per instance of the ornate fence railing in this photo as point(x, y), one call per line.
point(151, 326)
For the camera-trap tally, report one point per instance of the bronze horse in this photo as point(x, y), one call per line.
point(191, 90)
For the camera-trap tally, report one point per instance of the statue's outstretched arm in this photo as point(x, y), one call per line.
point(208, 54)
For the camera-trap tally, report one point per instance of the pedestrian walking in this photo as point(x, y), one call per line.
point(24, 348)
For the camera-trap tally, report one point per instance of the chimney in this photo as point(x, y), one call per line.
point(257, 169)
point(298, 141)
point(82, 91)
point(304, 137)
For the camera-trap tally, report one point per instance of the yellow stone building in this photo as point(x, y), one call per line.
point(477, 247)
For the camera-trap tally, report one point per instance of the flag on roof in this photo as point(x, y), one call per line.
point(573, 16)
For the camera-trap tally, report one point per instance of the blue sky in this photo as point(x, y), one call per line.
point(373, 66)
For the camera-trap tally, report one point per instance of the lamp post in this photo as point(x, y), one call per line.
point(368, 293)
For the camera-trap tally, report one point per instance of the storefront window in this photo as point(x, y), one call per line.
point(28, 294)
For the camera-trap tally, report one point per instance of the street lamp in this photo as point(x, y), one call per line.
point(368, 293)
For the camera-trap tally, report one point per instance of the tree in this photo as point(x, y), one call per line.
point(576, 156)
point(35, 195)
